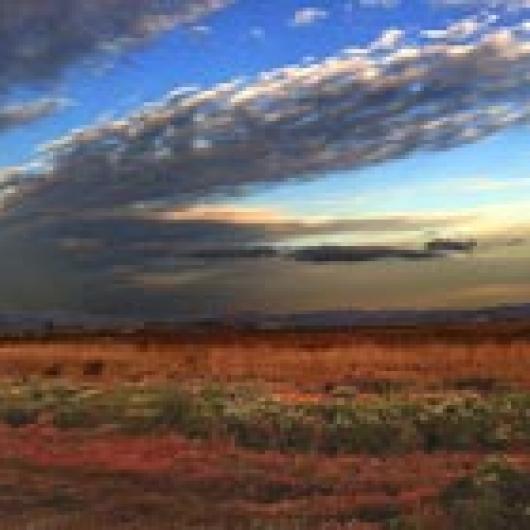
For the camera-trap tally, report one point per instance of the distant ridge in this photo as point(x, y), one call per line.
point(348, 318)
point(49, 322)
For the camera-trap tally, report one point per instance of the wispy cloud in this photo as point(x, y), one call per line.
point(377, 3)
point(308, 16)
point(257, 33)
point(389, 39)
point(225, 213)
point(276, 221)
point(23, 113)
point(461, 29)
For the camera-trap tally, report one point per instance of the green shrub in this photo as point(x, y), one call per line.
point(496, 497)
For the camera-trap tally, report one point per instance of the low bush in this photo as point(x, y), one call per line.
point(495, 497)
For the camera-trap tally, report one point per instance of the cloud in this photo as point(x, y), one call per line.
point(308, 16)
point(257, 33)
point(201, 30)
point(461, 29)
point(214, 235)
point(282, 224)
point(444, 245)
point(231, 253)
point(23, 113)
point(224, 213)
point(39, 37)
point(130, 242)
point(435, 248)
point(350, 254)
point(167, 281)
point(389, 39)
point(348, 111)
point(378, 3)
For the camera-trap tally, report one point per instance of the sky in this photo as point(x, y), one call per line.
point(201, 157)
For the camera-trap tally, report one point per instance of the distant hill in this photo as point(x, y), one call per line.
point(56, 322)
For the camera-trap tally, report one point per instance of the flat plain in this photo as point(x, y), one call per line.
point(422, 427)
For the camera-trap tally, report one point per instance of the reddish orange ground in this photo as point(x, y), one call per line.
point(165, 477)
point(425, 357)
point(104, 480)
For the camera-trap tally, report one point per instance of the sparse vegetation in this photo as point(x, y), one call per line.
point(331, 433)
point(383, 424)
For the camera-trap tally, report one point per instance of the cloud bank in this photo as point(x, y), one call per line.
point(355, 109)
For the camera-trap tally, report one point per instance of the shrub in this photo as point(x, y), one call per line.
point(93, 368)
point(496, 497)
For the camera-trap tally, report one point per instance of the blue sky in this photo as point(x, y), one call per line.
point(478, 189)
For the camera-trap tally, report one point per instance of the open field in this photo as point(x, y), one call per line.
point(425, 428)
point(426, 357)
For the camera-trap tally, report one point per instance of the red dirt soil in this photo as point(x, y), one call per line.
point(246, 483)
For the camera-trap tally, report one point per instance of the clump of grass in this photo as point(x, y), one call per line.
point(93, 368)
point(479, 384)
point(19, 404)
point(53, 371)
